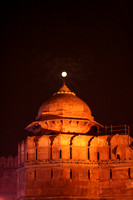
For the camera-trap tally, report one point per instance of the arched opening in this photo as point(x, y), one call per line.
point(89, 174)
point(70, 152)
point(51, 173)
point(60, 153)
point(51, 152)
point(109, 153)
point(88, 153)
point(70, 173)
point(110, 173)
point(34, 174)
point(36, 154)
point(98, 156)
point(129, 173)
point(118, 156)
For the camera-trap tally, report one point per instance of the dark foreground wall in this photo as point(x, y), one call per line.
point(8, 178)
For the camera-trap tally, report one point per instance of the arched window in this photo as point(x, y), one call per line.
point(70, 152)
point(36, 154)
point(70, 173)
point(110, 173)
point(34, 174)
point(89, 174)
point(88, 153)
point(98, 157)
point(118, 156)
point(60, 153)
point(51, 173)
point(129, 173)
point(110, 153)
point(51, 152)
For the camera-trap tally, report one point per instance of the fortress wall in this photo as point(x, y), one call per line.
point(77, 165)
point(76, 181)
point(8, 178)
point(10, 162)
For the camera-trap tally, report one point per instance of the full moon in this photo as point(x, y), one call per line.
point(64, 74)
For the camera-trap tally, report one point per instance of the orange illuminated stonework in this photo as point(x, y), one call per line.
point(64, 112)
point(65, 159)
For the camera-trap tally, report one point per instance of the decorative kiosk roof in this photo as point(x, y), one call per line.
point(64, 112)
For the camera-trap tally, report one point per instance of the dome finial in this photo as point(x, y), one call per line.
point(64, 89)
point(64, 74)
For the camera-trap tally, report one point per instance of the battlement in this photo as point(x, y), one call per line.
point(8, 178)
point(75, 147)
point(9, 162)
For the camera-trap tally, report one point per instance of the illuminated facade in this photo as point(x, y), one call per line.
point(65, 159)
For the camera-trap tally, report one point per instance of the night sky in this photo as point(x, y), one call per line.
point(92, 41)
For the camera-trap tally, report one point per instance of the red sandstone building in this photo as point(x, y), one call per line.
point(65, 159)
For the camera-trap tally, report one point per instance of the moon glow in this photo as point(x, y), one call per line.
point(64, 74)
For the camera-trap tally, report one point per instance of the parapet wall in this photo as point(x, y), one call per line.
point(8, 178)
point(76, 147)
point(9, 162)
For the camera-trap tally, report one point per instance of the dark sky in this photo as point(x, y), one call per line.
point(92, 41)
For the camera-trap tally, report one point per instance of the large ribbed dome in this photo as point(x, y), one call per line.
point(63, 112)
point(65, 103)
